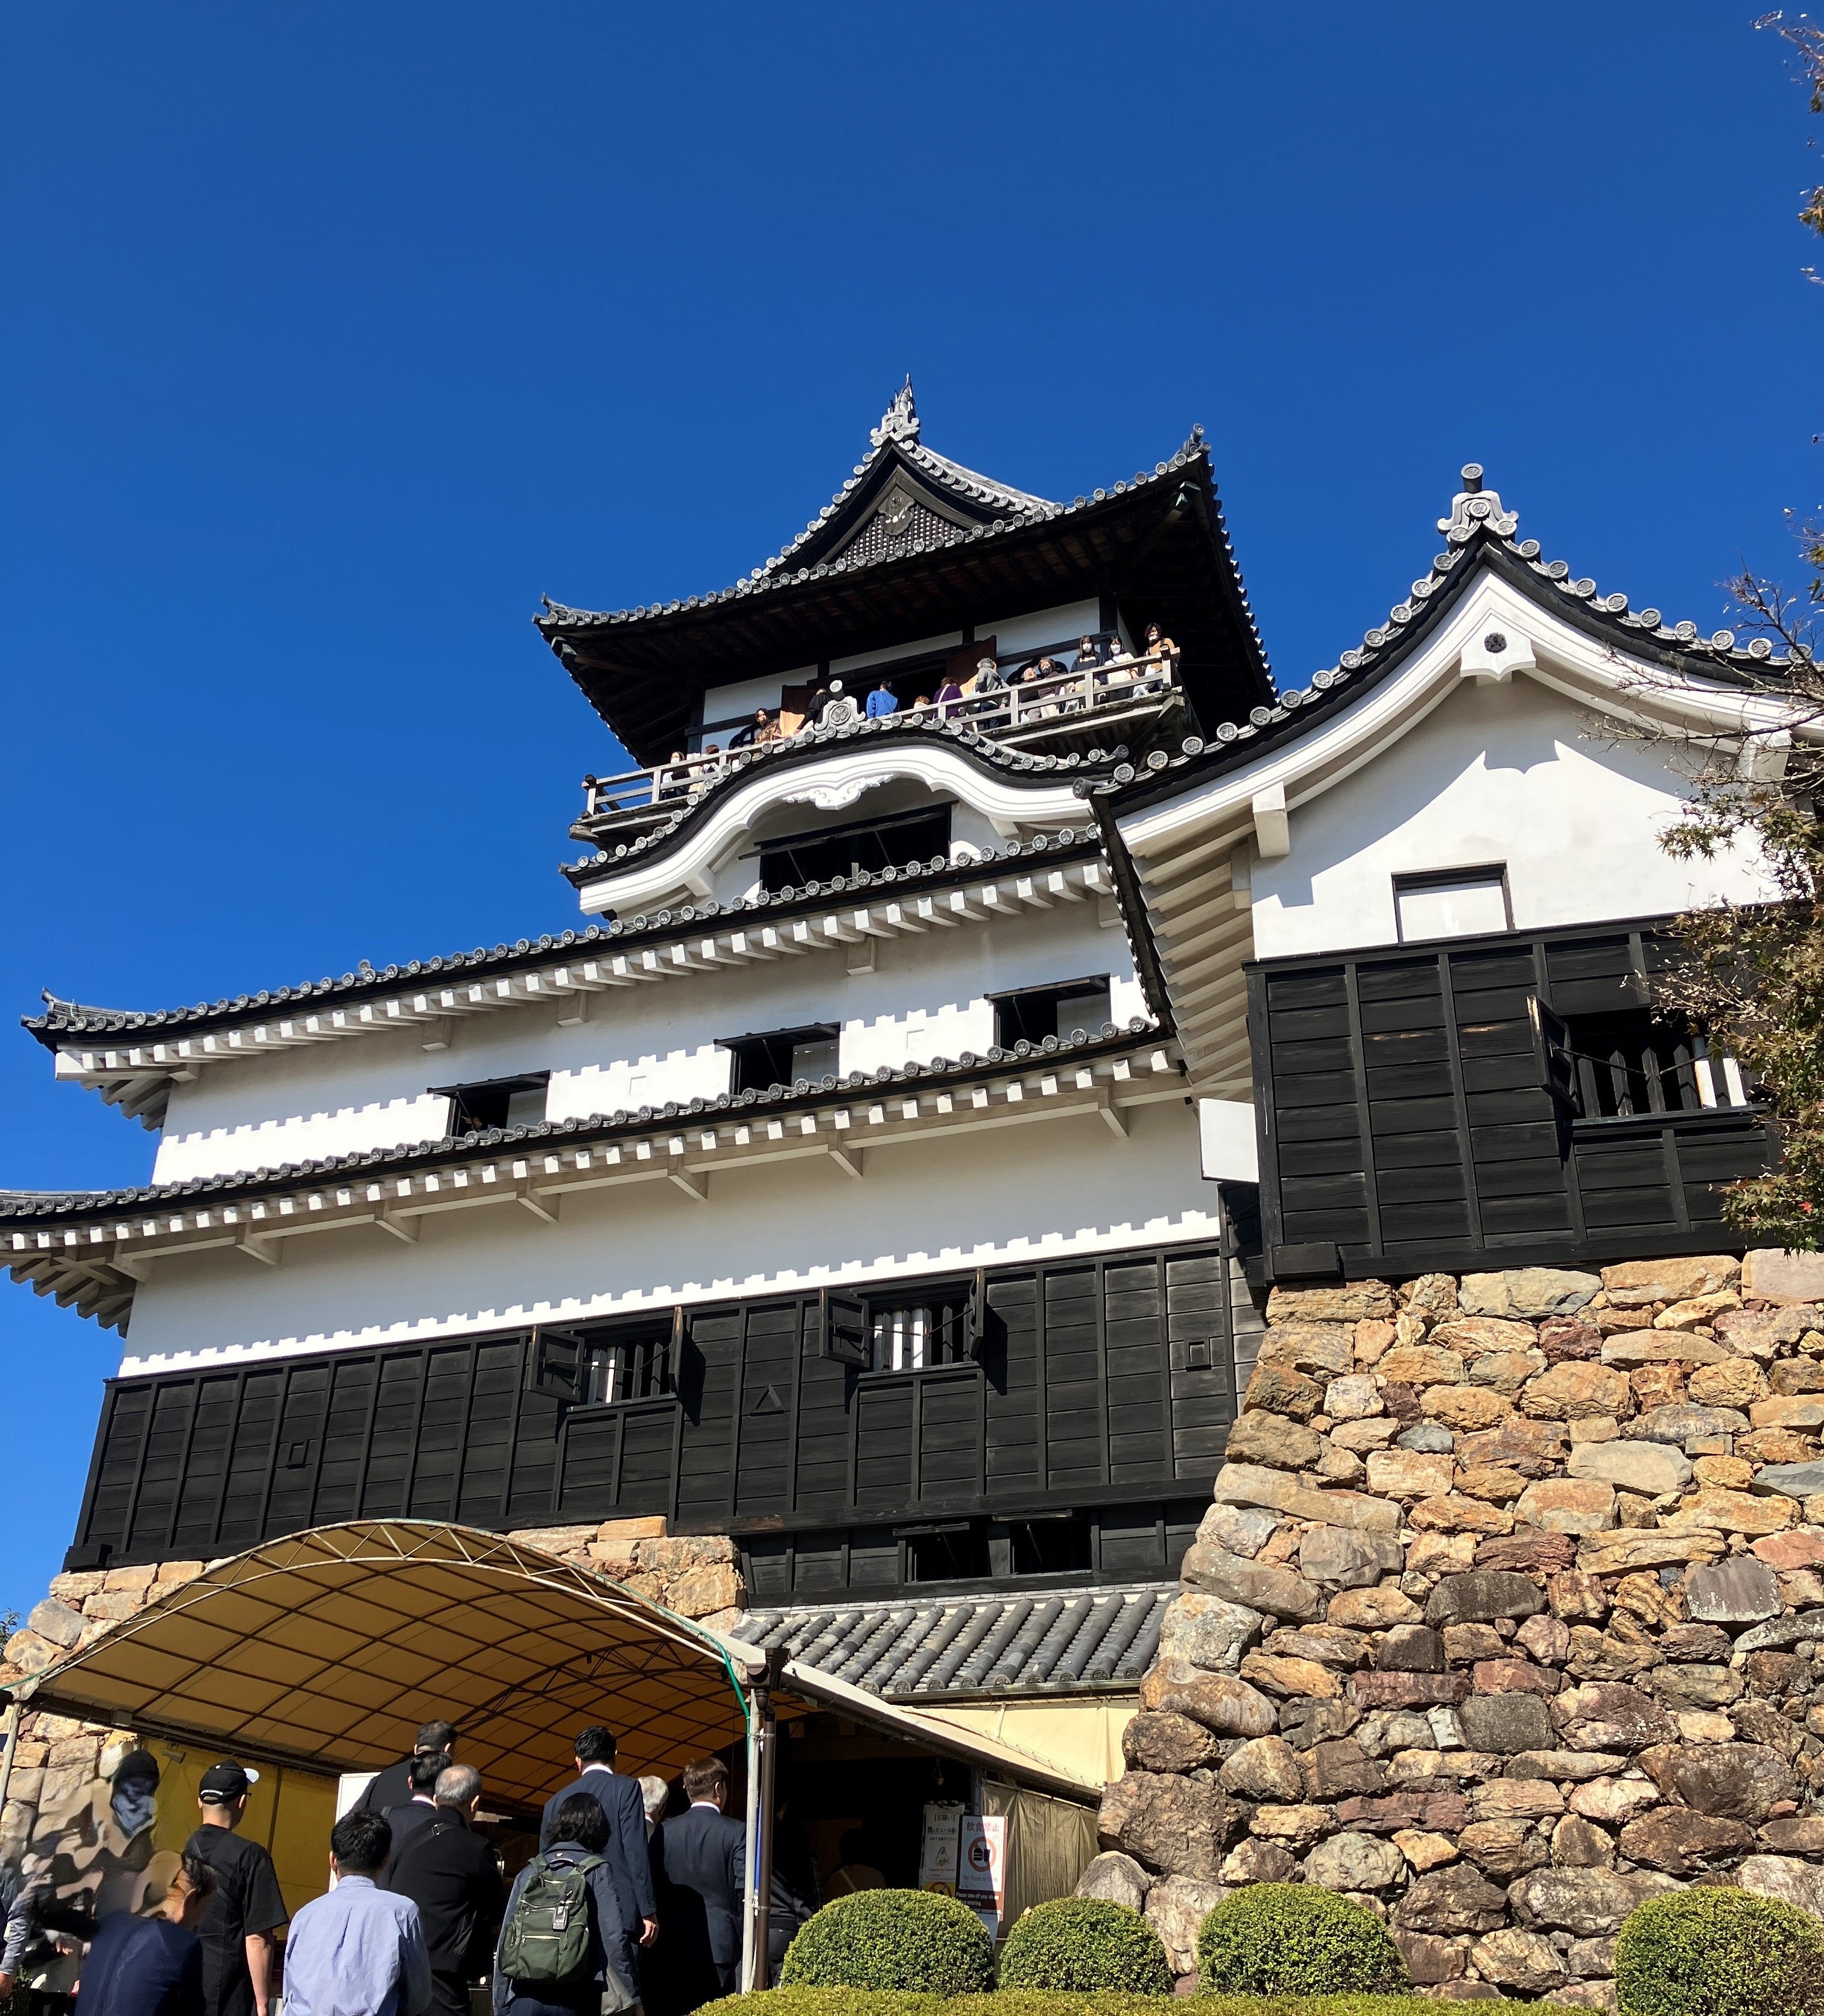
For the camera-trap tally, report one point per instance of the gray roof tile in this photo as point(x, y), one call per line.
point(1055, 1642)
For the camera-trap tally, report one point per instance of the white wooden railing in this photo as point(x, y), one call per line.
point(1023, 704)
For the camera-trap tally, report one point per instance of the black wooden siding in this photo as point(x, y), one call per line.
point(1406, 1124)
point(1084, 1394)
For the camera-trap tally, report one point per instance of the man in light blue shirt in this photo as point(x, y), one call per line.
point(360, 1951)
point(881, 702)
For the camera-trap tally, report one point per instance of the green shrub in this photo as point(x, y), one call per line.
point(1291, 1939)
point(905, 1940)
point(1087, 1944)
point(1038, 2002)
point(1719, 1952)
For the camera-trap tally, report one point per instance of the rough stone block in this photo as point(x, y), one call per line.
point(56, 1622)
point(1291, 1679)
point(1789, 1410)
point(1714, 1511)
point(1770, 1274)
point(1791, 1479)
point(1588, 1902)
point(1249, 1484)
point(1356, 1397)
point(1405, 1473)
point(1276, 1440)
point(1740, 1781)
point(1255, 1585)
point(1736, 1382)
point(1341, 1768)
point(1175, 1909)
point(1372, 1609)
point(1350, 1861)
point(1279, 1389)
point(1530, 1553)
point(1220, 1702)
point(1683, 1422)
point(1338, 1558)
point(1329, 1644)
point(1205, 1631)
point(1622, 1553)
point(1650, 1468)
point(1638, 1284)
point(1453, 1900)
point(1168, 1742)
point(1482, 1596)
point(1411, 1648)
point(1798, 1836)
point(1325, 1350)
point(1525, 1963)
point(1681, 1843)
point(1609, 1715)
point(1294, 1827)
point(1430, 1959)
point(1531, 1293)
point(1533, 1448)
point(1116, 1878)
point(1514, 1676)
point(700, 1591)
point(1241, 1531)
point(1373, 1690)
point(1568, 1391)
point(1352, 1302)
point(1506, 1724)
point(1568, 1504)
point(1739, 1590)
point(1438, 1813)
point(1264, 1769)
point(1465, 1407)
point(1175, 1826)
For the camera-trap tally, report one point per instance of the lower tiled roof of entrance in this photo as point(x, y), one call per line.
point(1063, 1641)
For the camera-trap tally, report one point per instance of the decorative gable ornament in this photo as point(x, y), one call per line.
point(900, 423)
point(1474, 510)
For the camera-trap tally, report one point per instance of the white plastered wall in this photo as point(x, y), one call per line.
point(1503, 774)
point(997, 1196)
point(300, 1137)
point(927, 996)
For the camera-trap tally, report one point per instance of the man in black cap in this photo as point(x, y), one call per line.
point(247, 1908)
point(393, 1787)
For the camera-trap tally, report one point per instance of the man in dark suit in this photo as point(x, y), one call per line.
point(393, 1786)
point(704, 1855)
point(629, 1864)
point(448, 1871)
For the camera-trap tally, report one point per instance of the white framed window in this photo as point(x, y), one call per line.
point(1453, 903)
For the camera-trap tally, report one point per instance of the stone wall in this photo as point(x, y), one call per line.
point(58, 1762)
point(1508, 1613)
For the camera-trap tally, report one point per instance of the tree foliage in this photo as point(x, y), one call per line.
point(1753, 976)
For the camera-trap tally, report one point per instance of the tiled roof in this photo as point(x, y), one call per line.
point(1478, 523)
point(1107, 1040)
point(559, 617)
point(62, 1019)
point(1054, 1642)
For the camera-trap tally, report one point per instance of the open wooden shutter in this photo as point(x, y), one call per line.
point(844, 1328)
point(1552, 1049)
point(975, 1315)
point(674, 1359)
point(556, 1364)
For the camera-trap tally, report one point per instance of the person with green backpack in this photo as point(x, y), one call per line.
point(563, 1949)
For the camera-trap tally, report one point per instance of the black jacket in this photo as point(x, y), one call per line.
point(630, 1865)
point(390, 1787)
point(704, 1856)
point(448, 1871)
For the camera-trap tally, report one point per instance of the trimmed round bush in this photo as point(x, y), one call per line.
point(1088, 1946)
point(1295, 1938)
point(1720, 1952)
point(912, 1939)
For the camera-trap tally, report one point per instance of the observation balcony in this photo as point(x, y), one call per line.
point(1126, 703)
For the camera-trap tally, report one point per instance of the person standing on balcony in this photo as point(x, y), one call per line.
point(882, 702)
point(949, 698)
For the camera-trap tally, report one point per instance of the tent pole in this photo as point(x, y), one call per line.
point(767, 1740)
point(15, 1715)
point(753, 1803)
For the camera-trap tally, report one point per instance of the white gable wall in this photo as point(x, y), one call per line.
point(1495, 775)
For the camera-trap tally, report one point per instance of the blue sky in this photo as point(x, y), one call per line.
point(333, 336)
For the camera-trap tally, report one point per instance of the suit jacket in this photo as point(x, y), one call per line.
point(448, 1871)
point(704, 1855)
point(629, 1864)
point(407, 1818)
point(390, 1788)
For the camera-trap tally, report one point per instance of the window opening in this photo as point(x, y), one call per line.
point(843, 851)
point(496, 1102)
point(1051, 1546)
point(913, 1336)
point(1461, 902)
point(632, 1366)
point(946, 1553)
point(784, 1057)
point(1035, 1013)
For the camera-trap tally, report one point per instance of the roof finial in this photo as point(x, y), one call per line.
point(900, 422)
point(1476, 508)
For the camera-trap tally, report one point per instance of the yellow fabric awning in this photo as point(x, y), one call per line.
point(329, 1648)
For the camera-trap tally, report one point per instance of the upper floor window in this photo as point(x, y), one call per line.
point(871, 844)
point(1455, 903)
point(905, 1329)
point(603, 1365)
point(496, 1102)
point(1036, 1012)
point(784, 1057)
point(1623, 1062)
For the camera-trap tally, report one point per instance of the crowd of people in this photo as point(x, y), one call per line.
point(1100, 667)
point(621, 1909)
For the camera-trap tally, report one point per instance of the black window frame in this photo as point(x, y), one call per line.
point(1056, 992)
point(848, 1318)
point(756, 1066)
point(1444, 878)
point(461, 1100)
point(562, 1356)
point(781, 869)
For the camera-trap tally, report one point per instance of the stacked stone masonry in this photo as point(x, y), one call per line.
point(57, 1760)
point(1509, 1613)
